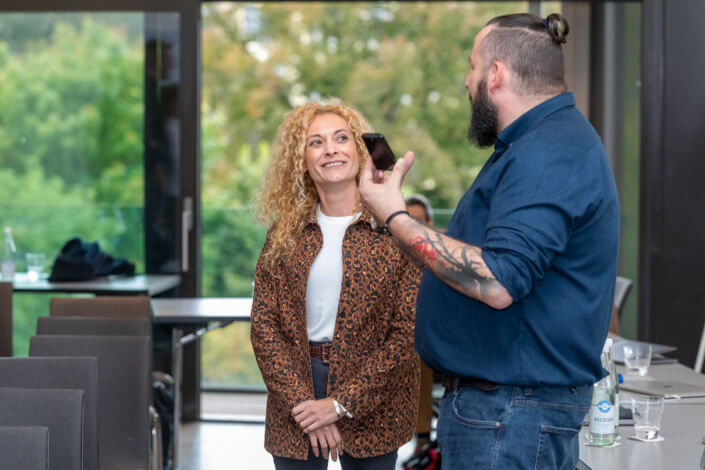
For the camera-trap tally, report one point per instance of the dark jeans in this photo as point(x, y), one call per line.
point(381, 462)
point(512, 427)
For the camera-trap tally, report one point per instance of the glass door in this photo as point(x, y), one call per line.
point(93, 138)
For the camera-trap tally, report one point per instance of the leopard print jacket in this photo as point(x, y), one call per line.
point(374, 370)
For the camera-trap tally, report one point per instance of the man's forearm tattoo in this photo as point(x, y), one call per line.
point(460, 265)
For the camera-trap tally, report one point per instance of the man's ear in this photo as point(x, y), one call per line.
point(496, 76)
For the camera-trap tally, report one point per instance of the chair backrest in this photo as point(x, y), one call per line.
point(700, 358)
point(59, 410)
point(24, 447)
point(123, 391)
point(79, 373)
point(93, 326)
point(5, 319)
point(132, 306)
point(621, 291)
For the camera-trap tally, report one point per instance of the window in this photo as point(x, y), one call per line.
point(89, 139)
point(396, 62)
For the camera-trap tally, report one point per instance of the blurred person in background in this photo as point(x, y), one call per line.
point(421, 210)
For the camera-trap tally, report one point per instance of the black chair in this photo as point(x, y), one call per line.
point(621, 291)
point(131, 306)
point(123, 392)
point(24, 447)
point(112, 326)
point(61, 411)
point(700, 357)
point(78, 373)
point(93, 326)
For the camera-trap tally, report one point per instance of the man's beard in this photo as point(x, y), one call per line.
point(484, 122)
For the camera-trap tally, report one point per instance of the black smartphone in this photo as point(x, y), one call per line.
point(379, 150)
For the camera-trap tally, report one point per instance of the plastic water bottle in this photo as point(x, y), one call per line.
point(8, 256)
point(602, 411)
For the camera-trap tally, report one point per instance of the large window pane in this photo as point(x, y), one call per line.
point(74, 126)
point(402, 64)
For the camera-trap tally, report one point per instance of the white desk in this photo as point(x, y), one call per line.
point(211, 313)
point(682, 426)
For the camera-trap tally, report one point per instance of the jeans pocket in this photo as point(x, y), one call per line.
point(557, 448)
point(470, 428)
point(466, 411)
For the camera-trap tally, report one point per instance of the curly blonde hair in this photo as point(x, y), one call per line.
point(287, 193)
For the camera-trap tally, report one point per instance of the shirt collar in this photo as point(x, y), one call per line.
point(529, 120)
point(365, 217)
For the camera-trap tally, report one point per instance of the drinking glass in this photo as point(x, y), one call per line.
point(637, 358)
point(647, 412)
point(35, 265)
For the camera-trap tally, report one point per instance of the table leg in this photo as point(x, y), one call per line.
point(178, 340)
point(6, 319)
point(176, 369)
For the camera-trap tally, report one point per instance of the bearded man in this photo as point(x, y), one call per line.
point(514, 304)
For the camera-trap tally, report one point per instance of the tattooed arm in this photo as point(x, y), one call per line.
point(458, 264)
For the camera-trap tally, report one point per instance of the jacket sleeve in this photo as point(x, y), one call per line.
point(395, 360)
point(274, 350)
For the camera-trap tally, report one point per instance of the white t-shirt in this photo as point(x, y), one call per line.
point(325, 278)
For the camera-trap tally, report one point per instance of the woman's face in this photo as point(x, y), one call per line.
point(331, 154)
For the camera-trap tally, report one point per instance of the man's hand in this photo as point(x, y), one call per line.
point(314, 414)
point(329, 439)
point(382, 194)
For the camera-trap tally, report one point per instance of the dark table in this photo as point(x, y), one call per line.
point(206, 313)
point(141, 284)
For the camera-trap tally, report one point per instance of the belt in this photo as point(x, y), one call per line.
point(455, 383)
point(321, 351)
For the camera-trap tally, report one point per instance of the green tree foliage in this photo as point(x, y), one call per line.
point(71, 119)
point(402, 64)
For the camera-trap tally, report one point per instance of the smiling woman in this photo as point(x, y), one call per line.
point(334, 303)
point(332, 162)
point(298, 180)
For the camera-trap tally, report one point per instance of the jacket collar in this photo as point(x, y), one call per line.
point(365, 218)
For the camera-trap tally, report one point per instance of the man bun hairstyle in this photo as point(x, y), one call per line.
point(557, 27)
point(531, 47)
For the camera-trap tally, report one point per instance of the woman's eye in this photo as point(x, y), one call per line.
point(342, 137)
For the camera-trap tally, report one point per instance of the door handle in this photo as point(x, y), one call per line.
point(186, 227)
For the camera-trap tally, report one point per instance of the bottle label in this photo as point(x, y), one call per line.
point(602, 418)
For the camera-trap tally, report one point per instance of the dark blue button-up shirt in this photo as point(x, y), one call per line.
point(545, 212)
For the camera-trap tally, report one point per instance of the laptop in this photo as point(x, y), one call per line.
point(668, 389)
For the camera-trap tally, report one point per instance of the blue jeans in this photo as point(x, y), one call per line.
point(512, 427)
point(380, 462)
